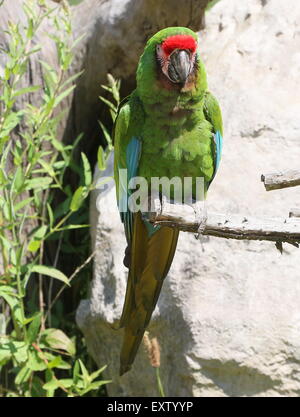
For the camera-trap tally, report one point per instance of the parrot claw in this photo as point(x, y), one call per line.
point(201, 217)
point(201, 227)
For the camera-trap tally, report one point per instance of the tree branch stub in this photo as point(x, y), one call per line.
point(182, 217)
point(284, 179)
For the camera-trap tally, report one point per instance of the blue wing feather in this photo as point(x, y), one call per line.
point(133, 153)
point(219, 144)
point(218, 140)
point(213, 115)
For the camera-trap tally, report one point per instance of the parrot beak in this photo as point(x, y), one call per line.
point(179, 66)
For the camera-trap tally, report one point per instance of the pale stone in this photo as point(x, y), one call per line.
point(228, 317)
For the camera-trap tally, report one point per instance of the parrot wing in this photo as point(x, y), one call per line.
point(151, 250)
point(127, 151)
point(213, 114)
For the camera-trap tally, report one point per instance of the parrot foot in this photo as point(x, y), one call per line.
point(201, 217)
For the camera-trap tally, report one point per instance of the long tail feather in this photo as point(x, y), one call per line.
point(151, 258)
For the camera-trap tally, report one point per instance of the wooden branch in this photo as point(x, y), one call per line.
point(227, 226)
point(283, 179)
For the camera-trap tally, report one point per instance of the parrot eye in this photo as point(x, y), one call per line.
point(159, 52)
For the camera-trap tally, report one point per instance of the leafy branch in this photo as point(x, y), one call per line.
point(33, 164)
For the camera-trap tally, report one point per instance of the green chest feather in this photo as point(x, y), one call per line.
point(180, 145)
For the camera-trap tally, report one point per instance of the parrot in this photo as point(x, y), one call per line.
point(169, 126)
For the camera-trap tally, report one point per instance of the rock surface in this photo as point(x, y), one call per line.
point(228, 318)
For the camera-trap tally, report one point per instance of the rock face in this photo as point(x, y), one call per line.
point(228, 318)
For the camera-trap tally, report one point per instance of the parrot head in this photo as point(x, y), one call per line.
point(176, 56)
point(171, 65)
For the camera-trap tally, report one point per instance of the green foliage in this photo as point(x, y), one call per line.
point(113, 88)
point(75, 2)
point(36, 360)
point(211, 4)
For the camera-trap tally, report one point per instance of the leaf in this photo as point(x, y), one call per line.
point(54, 362)
point(76, 372)
point(57, 145)
point(2, 324)
point(23, 203)
point(113, 114)
point(50, 77)
point(59, 363)
point(100, 159)
point(51, 385)
point(23, 375)
point(49, 388)
point(6, 243)
point(59, 165)
point(26, 90)
point(73, 226)
point(63, 95)
point(29, 32)
point(40, 232)
point(57, 339)
point(85, 374)
point(54, 383)
point(6, 289)
point(75, 2)
point(95, 374)
point(16, 349)
point(12, 120)
point(18, 179)
point(47, 167)
point(109, 104)
point(115, 86)
point(106, 133)
point(5, 353)
point(87, 170)
point(50, 215)
point(37, 238)
point(50, 271)
point(33, 50)
point(96, 385)
point(34, 245)
point(35, 361)
point(105, 87)
point(29, 320)
point(34, 328)
point(14, 305)
point(72, 78)
point(78, 198)
point(38, 183)
point(66, 382)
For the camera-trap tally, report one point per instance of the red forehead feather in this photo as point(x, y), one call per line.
point(179, 42)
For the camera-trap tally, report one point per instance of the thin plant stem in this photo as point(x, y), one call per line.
point(159, 383)
point(76, 272)
point(51, 280)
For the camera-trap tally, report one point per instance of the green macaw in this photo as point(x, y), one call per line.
point(170, 126)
